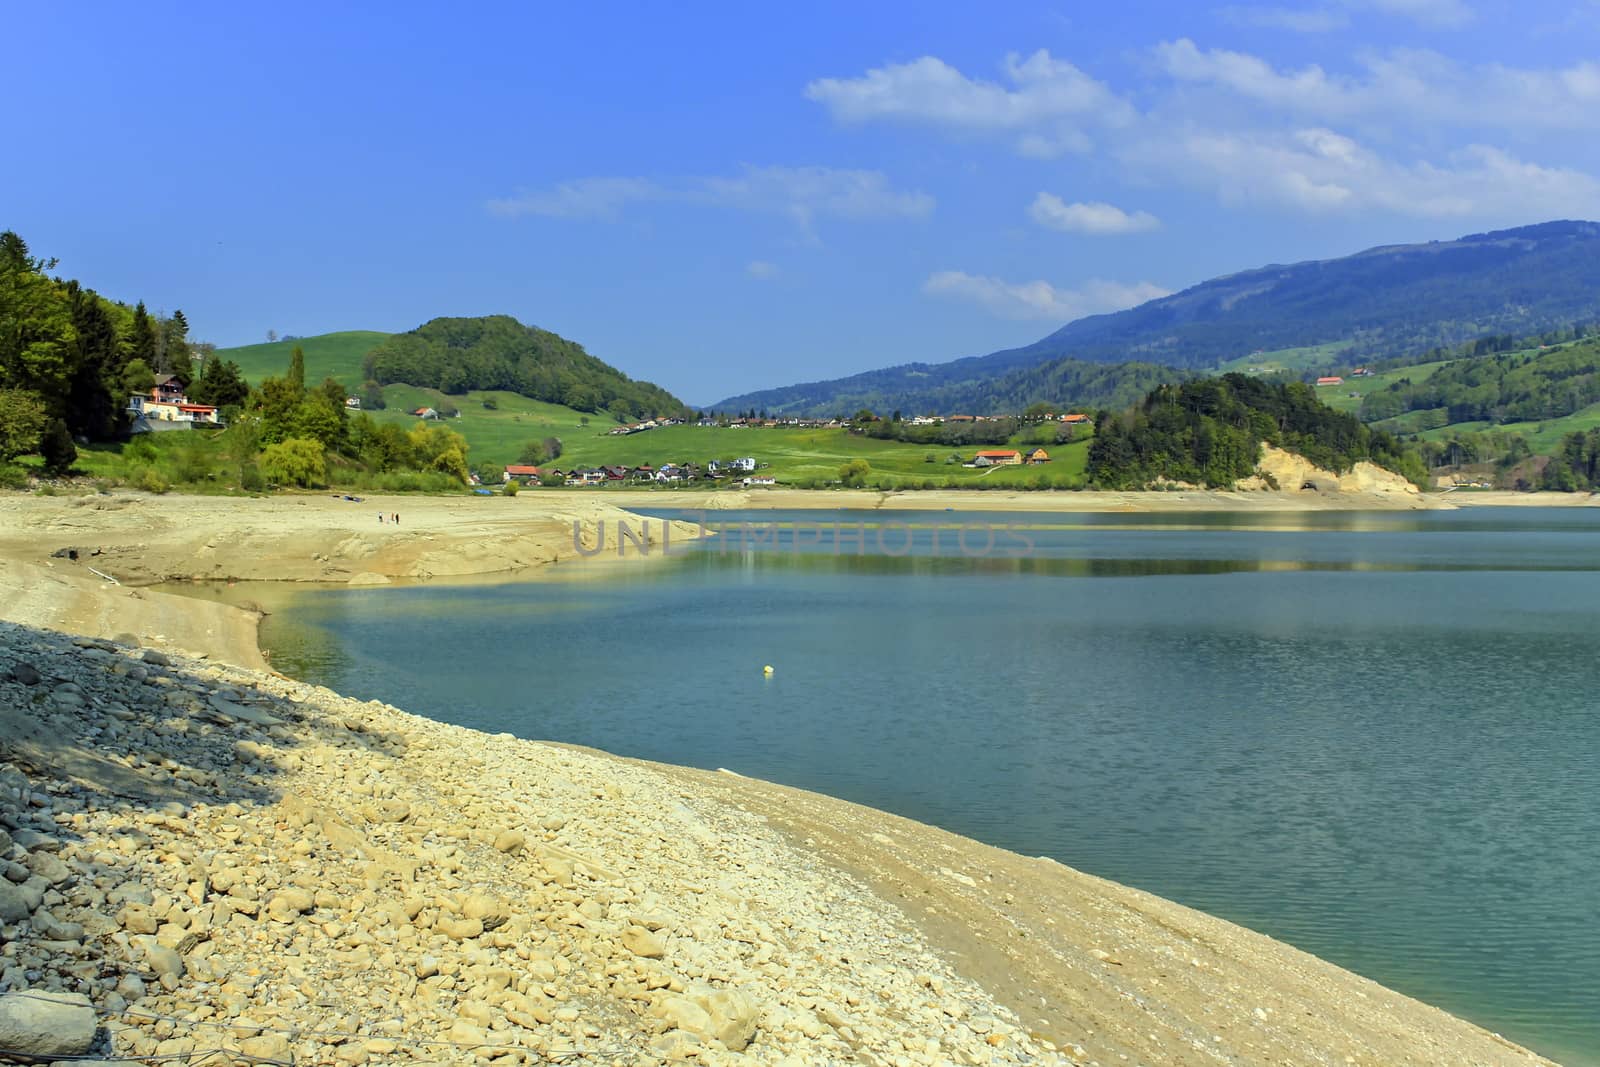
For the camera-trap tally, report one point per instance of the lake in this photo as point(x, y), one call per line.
point(1372, 735)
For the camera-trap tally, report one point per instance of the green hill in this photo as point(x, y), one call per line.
point(1384, 303)
point(498, 352)
point(330, 355)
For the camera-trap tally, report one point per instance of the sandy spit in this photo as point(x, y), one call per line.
point(1091, 972)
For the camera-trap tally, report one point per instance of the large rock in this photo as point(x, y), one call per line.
point(733, 1017)
point(45, 1026)
point(13, 903)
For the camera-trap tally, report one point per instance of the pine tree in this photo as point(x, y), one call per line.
point(297, 368)
point(141, 341)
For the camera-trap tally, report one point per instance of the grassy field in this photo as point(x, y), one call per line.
point(329, 355)
point(1294, 360)
point(1544, 437)
point(796, 455)
point(1348, 397)
point(498, 434)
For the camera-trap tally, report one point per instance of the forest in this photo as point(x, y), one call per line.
point(1210, 431)
point(455, 355)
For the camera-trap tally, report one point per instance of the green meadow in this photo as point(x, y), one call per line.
point(803, 456)
point(329, 355)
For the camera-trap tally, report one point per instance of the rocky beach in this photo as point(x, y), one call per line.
point(204, 861)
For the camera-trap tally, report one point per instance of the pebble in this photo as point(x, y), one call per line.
point(315, 864)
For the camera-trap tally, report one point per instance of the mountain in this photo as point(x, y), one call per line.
point(1382, 303)
point(498, 352)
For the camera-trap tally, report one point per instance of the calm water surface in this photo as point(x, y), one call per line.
point(1371, 735)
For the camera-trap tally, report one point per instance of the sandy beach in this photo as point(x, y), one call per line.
point(215, 843)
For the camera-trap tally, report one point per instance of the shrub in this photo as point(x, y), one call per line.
point(149, 480)
point(13, 476)
point(295, 461)
point(511, 488)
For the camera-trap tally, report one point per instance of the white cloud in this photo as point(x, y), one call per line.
point(1094, 218)
point(1320, 171)
point(1047, 101)
point(584, 198)
point(1445, 14)
point(804, 194)
point(761, 270)
point(1040, 299)
point(1401, 86)
point(1297, 20)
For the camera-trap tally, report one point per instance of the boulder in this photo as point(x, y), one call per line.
point(45, 1026)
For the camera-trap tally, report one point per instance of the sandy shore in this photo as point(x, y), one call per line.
point(688, 914)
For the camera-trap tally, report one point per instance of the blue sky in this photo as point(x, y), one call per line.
point(726, 197)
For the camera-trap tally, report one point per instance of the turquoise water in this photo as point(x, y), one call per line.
point(1371, 735)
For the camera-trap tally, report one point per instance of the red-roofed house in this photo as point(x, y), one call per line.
point(1332, 379)
point(997, 457)
point(521, 470)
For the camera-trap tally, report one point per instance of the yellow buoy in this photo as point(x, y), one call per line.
point(767, 670)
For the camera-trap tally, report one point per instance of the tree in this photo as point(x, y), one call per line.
point(175, 347)
point(272, 335)
point(552, 448)
point(57, 448)
point(372, 396)
point(22, 422)
point(533, 454)
point(137, 378)
point(295, 461)
point(297, 368)
point(141, 341)
point(855, 472)
point(220, 384)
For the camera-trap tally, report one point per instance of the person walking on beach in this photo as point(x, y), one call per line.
point(380, 518)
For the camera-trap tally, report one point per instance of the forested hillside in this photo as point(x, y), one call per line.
point(1513, 387)
point(498, 352)
point(1393, 301)
point(1210, 432)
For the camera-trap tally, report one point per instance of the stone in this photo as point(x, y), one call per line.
point(53, 929)
point(138, 919)
point(48, 867)
point(510, 840)
point(458, 929)
point(683, 1014)
point(13, 903)
point(26, 674)
point(733, 1017)
point(273, 1047)
point(642, 942)
point(40, 1025)
point(163, 961)
point(486, 909)
point(156, 659)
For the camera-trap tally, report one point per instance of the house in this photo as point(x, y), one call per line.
point(166, 408)
point(353, 403)
point(1361, 372)
point(520, 470)
point(425, 413)
point(997, 457)
point(1072, 420)
point(760, 479)
point(1332, 379)
point(615, 474)
point(745, 465)
point(962, 418)
point(1036, 456)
